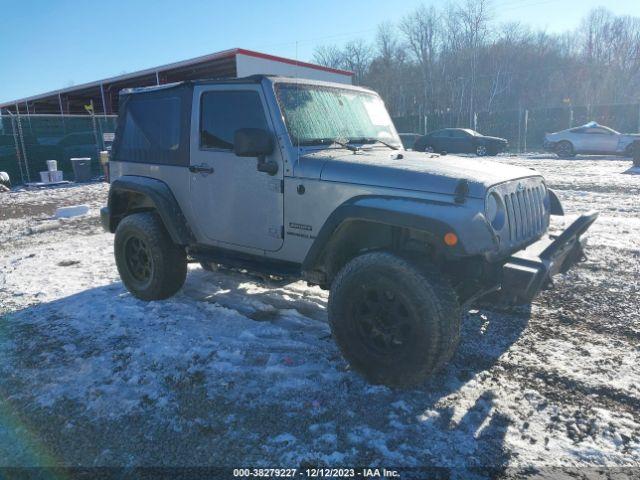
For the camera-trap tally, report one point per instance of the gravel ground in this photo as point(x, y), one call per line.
point(235, 372)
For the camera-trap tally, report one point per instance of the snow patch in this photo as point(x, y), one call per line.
point(69, 212)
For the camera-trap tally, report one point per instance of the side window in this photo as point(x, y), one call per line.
point(152, 130)
point(596, 131)
point(457, 134)
point(224, 112)
point(440, 134)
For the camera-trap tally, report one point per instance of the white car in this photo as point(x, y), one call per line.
point(590, 139)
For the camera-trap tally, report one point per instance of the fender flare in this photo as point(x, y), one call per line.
point(432, 217)
point(555, 207)
point(158, 196)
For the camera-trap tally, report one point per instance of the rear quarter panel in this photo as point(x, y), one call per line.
point(177, 178)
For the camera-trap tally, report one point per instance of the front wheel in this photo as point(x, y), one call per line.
point(481, 150)
point(564, 149)
point(394, 321)
point(151, 266)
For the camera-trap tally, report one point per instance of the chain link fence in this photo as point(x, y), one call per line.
point(28, 141)
point(525, 128)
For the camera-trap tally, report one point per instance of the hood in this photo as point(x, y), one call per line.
point(494, 139)
point(415, 171)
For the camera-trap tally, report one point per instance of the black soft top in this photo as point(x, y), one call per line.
point(154, 123)
point(191, 83)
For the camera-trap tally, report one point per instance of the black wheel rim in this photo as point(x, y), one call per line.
point(139, 260)
point(382, 319)
point(564, 149)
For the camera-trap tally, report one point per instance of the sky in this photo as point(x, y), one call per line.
point(51, 44)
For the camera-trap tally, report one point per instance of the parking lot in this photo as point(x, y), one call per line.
point(234, 371)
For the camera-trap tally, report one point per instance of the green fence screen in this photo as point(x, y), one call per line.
point(28, 141)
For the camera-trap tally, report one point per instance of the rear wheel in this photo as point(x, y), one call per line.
point(428, 149)
point(395, 322)
point(151, 266)
point(481, 150)
point(564, 149)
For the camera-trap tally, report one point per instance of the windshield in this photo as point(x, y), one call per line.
point(315, 115)
point(472, 132)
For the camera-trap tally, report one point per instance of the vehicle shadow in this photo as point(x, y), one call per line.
point(234, 371)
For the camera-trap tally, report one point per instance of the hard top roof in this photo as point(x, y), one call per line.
point(254, 79)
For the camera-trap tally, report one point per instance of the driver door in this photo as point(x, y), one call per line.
point(600, 140)
point(459, 141)
point(234, 203)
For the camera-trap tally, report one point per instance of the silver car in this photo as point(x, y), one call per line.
point(590, 139)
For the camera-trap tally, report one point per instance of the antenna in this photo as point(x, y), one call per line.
point(297, 87)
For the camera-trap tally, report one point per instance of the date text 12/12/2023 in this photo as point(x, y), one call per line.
point(315, 473)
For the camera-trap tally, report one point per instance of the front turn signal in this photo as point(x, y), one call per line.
point(450, 239)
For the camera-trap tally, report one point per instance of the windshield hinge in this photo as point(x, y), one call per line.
point(461, 191)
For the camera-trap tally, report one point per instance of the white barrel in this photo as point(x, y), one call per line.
point(52, 165)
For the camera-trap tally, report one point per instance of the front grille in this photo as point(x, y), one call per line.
point(526, 214)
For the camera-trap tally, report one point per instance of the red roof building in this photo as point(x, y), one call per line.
point(236, 62)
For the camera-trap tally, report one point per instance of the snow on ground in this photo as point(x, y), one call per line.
point(234, 371)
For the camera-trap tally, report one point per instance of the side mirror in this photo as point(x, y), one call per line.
point(255, 142)
point(252, 142)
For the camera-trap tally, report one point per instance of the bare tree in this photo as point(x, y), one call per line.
point(329, 56)
point(456, 61)
point(421, 32)
point(474, 19)
point(357, 58)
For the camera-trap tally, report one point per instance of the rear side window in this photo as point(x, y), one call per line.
point(151, 132)
point(224, 112)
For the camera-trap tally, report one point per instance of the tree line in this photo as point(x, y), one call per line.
point(459, 59)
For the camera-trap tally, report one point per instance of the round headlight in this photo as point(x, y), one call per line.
point(495, 211)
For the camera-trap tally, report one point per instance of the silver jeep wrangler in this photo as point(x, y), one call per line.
point(300, 179)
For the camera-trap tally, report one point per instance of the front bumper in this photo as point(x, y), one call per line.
point(530, 270)
point(549, 146)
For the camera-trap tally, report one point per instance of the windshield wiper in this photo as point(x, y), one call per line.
point(373, 140)
point(346, 145)
point(329, 142)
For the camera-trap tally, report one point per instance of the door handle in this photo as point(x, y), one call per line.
point(202, 168)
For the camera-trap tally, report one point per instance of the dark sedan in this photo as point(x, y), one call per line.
point(460, 140)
